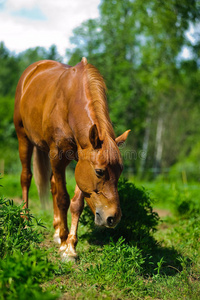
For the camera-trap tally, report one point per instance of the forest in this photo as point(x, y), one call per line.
point(153, 88)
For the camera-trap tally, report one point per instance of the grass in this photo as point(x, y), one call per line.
point(11, 186)
point(164, 266)
point(178, 197)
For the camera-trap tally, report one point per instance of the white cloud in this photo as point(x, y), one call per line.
point(61, 17)
point(19, 4)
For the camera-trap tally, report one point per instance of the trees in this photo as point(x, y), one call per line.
point(8, 71)
point(152, 89)
point(137, 45)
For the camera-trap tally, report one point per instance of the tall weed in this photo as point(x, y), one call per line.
point(21, 275)
point(16, 233)
point(115, 269)
point(119, 261)
point(23, 265)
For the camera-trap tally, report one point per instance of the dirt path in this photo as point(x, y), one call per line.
point(163, 212)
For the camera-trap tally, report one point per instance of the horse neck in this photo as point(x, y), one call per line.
point(84, 112)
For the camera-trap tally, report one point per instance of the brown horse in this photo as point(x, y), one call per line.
point(61, 113)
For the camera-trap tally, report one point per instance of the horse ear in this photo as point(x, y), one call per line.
point(94, 137)
point(84, 61)
point(122, 138)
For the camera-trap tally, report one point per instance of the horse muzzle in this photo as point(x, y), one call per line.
point(107, 220)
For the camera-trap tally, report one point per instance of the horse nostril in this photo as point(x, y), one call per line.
point(110, 221)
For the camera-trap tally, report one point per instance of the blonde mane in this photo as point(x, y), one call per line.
point(97, 90)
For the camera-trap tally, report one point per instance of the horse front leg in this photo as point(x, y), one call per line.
point(76, 208)
point(61, 201)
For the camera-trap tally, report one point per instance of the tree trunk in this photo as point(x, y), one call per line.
point(159, 146)
point(145, 146)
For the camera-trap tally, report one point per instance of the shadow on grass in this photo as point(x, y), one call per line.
point(158, 259)
point(136, 227)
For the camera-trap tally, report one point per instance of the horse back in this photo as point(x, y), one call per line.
point(36, 100)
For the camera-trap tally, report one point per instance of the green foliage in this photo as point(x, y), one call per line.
point(118, 264)
point(137, 48)
point(8, 139)
point(187, 233)
point(121, 270)
point(12, 188)
point(23, 265)
point(185, 206)
point(165, 269)
point(16, 233)
point(188, 167)
point(9, 72)
point(21, 275)
point(180, 198)
point(124, 262)
point(138, 219)
point(136, 45)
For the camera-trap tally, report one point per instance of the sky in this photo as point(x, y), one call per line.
point(29, 23)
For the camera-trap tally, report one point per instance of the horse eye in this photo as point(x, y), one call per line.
point(99, 172)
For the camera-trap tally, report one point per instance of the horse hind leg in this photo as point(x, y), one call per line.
point(25, 154)
point(56, 219)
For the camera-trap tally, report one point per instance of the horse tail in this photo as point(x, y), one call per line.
point(42, 173)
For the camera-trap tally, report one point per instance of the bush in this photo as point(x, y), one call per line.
point(186, 205)
point(23, 265)
point(20, 275)
point(16, 233)
point(138, 219)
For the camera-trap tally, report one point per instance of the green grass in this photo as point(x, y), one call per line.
point(165, 266)
point(173, 195)
point(11, 186)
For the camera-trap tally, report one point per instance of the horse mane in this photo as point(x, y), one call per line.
point(111, 152)
point(97, 90)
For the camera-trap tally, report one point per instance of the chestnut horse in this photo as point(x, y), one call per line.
point(61, 115)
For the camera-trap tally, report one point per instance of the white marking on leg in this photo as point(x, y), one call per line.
point(56, 236)
point(63, 247)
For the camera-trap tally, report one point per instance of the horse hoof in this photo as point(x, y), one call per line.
point(57, 240)
point(69, 258)
point(63, 248)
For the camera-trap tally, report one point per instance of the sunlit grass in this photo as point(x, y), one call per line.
point(118, 270)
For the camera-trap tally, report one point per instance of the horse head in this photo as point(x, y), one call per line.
point(97, 173)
